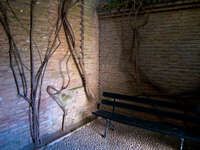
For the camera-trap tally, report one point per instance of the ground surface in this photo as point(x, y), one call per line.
point(122, 138)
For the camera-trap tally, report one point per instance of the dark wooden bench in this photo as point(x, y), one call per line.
point(162, 109)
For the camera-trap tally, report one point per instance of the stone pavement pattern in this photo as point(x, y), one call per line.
point(122, 138)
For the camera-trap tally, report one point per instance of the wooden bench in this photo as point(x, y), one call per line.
point(162, 109)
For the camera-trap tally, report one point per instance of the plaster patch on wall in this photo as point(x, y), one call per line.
point(45, 37)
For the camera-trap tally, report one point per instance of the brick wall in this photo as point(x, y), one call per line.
point(14, 124)
point(168, 56)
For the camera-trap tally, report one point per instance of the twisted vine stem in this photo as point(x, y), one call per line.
point(33, 96)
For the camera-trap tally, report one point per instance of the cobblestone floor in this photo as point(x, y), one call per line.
point(122, 138)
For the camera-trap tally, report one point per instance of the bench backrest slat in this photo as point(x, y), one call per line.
point(179, 116)
point(144, 101)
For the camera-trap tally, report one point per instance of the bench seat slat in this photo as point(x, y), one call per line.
point(144, 100)
point(150, 125)
point(157, 112)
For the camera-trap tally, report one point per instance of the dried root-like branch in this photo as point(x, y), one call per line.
point(33, 97)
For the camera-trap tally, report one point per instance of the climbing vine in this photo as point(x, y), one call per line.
point(135, 7)
point(78, 58)
point(29, 77)
point(133, 10)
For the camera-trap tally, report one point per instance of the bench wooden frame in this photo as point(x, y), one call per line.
point(163, 128)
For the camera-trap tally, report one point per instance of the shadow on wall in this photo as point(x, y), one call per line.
point(169, 65)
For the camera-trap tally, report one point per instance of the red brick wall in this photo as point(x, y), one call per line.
point(14, 124)
point(168, 56)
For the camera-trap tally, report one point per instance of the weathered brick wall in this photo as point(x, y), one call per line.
point(169, 53)
point(14, 123)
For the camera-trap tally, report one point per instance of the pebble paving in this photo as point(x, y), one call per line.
point(123, 137)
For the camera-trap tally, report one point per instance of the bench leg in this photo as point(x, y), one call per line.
point(182, 141)
point(107, 127)
point(112, 126)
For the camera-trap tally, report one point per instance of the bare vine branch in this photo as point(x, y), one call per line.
point(37, 73)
